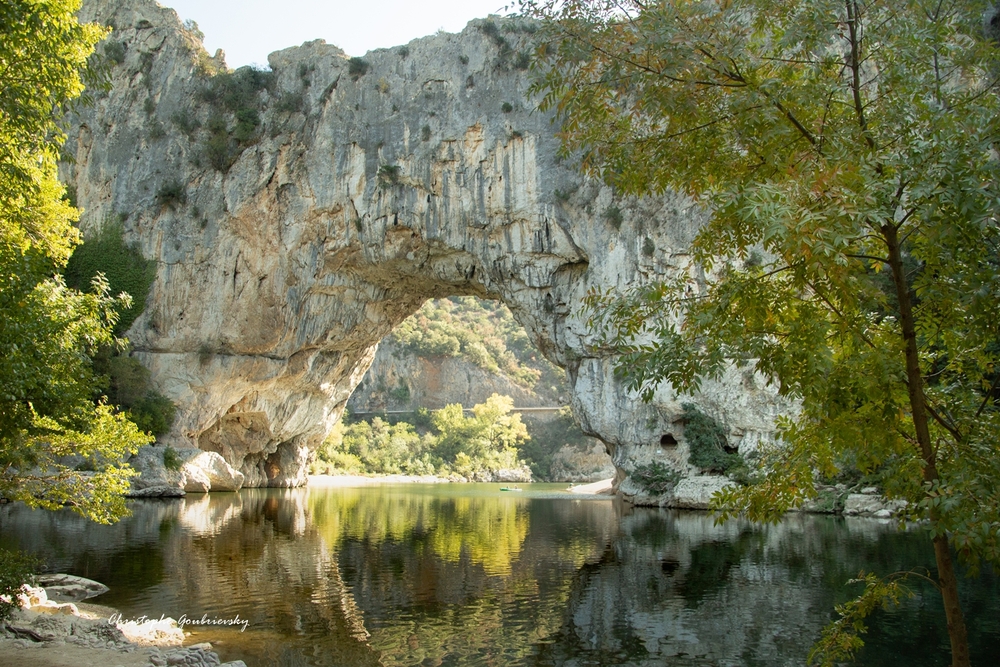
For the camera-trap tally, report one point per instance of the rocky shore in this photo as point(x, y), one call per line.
point(692, 492)
point(695, 492)
point(54, 628)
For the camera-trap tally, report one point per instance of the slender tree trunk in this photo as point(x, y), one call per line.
point(946, 571)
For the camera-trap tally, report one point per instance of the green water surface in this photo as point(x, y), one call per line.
point(470, 575)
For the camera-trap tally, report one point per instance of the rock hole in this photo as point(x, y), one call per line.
point(669, 566)
point(668, 440)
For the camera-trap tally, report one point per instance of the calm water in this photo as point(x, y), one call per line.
point(469, 575)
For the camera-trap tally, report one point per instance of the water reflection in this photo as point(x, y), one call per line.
point(465, 575)
point(488, 530)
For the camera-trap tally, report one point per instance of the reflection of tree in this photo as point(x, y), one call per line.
point(128, 551)
point(403, 577)
point(710, 562)
point(445, 580)
point(672, 588)
point(487, 530)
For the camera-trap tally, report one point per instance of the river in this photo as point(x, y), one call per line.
point(466, 574)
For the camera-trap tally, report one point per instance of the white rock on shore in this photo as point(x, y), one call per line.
point(62, 627)
point(871, 504)
point(196, 471)
point(69, 588)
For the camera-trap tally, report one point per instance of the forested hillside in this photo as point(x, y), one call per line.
point(484, 333)
point(461, 351)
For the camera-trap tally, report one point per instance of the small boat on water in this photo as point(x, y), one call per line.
point(510, 488)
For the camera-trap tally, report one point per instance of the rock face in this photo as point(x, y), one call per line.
point(193, 471)
point(296, 223)
point(571, 464)
point(432, 383)
point(870, 503)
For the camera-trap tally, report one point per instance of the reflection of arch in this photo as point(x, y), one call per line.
point(352, 614)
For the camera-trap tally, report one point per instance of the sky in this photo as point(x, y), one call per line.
point(248, 30)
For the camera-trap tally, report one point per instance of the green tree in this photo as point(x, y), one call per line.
point(847, 152)
point(48, 332)
point(388, 449)
point(493, 427)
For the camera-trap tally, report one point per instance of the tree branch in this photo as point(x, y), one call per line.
point(855, 67)
point(955, 433)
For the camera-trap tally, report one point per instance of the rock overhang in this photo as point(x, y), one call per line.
point(356, 198)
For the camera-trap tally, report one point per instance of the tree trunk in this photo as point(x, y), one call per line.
point(946, 572)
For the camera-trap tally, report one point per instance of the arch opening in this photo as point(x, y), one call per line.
point(462, 350)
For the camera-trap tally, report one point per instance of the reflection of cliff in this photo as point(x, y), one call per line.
point(272, 567)
point(674, 587)
point(466, 575)
point(65, 542)
point(252, 554)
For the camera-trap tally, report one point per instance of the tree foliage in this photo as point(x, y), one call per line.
point(484, 442)
point(492, 427)
point(48, 332)
point(16, 570)
point(847, 152)
point(482, 332)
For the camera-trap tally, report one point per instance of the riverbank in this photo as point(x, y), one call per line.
point(328, 481)
point(45, 632)
point(600, 488)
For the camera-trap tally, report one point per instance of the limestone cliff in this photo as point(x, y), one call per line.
point(297, 216)
point(399, 380)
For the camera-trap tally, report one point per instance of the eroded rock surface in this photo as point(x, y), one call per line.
point(165, 470)
point(364, 189)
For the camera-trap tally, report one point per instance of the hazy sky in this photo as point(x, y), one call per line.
point(248, 30)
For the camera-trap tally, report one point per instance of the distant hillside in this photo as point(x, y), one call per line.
point(458, 350)
point(463, 350)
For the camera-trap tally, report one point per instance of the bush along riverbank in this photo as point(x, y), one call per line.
point(480, 447)
point(714, 465)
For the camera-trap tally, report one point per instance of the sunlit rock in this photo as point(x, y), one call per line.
point(190, 469)
point(871, 504)
point(150, 631)
point(70, 588)
point(202, 516)
point(218, 475)
point(285, 256)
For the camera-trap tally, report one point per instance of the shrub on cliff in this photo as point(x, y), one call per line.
point(707, 442)
point(123, 266)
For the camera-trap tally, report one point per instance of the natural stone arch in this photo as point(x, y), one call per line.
point(428, 176)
